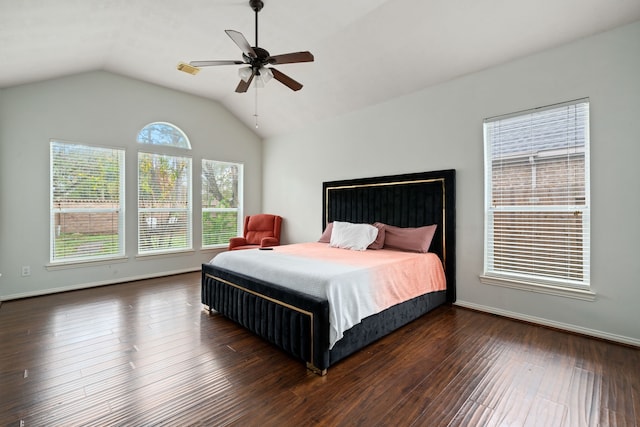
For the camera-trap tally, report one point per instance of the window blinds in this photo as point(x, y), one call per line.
point(221, 202)
point(87, 202)
point(537, 197)
point(164, 203)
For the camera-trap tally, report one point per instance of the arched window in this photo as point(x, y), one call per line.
point(166, 134)
point(164, 191)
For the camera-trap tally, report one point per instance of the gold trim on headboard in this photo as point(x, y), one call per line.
point(413, 181)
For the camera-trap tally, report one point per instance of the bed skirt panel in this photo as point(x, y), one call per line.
point(378, 325)
point(295, 322)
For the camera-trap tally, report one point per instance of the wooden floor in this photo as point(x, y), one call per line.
point(146, 353)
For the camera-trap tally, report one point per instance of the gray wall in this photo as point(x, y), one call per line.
point(104, 109)
point(441, 127)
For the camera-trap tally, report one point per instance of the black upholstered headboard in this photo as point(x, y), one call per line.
point(408, 200)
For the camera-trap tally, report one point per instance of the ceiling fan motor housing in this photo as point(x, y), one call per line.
point(261, 59)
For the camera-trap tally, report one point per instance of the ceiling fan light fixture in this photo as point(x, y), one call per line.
point(262, 77)
point(265, 75)
point(245, 73)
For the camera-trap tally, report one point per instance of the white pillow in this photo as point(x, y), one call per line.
point(352, 236)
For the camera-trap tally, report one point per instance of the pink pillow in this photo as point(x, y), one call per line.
point(326, 234)
point(408, 238)
point(379, 242)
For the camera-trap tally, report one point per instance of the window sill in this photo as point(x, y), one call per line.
point(215, 247)
point(165, 254)
point(567, 292)
point(84, 263)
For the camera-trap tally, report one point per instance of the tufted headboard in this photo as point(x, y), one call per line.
point(407, 200)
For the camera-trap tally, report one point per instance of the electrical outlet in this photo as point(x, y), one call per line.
point(26, 271)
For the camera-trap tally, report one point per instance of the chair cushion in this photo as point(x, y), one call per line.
point(262, 222)
point(258, 227)
point(259, 230)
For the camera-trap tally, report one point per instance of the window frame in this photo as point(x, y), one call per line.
point(156, 150)
point(542, 283)
point(55, 211)
point(238, 210)
point(182, 142)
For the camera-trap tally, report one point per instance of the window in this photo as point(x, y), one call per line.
point(163, 134)
point(537, 196)
point(164, 192)
point(87, 202)
point(221, 202)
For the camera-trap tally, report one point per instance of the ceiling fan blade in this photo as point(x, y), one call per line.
point(242, 43)
point(243, 86)
point(289, 58)
point(212, 63)
point(286, 80)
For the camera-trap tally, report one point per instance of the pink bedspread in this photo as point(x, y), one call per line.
point(399, 276)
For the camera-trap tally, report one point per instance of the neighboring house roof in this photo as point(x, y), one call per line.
point(557, 129)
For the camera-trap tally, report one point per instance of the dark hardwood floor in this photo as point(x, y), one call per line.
point(146, 353)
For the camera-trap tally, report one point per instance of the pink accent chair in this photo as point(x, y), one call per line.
point(261, 230)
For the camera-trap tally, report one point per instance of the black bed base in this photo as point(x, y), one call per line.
point(298, 323)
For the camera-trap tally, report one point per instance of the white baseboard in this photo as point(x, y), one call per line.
point(545, 322)
point(97, 284)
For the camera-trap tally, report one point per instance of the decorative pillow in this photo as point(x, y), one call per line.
point(379, 242)
point(326, 234)
point(352, 236)
point(408, 238)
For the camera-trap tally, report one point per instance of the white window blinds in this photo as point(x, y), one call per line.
point(164, 203)
point(537, 195)
point(87, 202)
point(221, 202)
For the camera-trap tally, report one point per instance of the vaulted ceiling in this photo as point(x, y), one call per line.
point(366, 51)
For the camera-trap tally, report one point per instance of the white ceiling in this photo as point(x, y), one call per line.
point(366, 51)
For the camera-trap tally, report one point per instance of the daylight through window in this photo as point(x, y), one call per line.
point(164, 192)
point(87, 202)
point(537, 196)
point(221, 202)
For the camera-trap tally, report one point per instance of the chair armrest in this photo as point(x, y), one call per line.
point(269, 241)
point(237, 241)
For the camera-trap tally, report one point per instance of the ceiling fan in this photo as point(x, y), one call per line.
point(257, 59)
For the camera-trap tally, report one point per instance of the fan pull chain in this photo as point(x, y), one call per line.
point(256, 106)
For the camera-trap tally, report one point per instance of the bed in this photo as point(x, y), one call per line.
point(297, 321)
